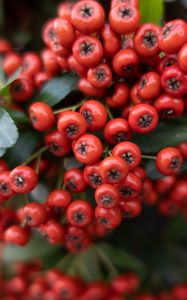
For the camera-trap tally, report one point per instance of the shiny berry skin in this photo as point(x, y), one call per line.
point(88, 16)
point(64, 10)
point(107, 196)
point(111, 41)
point(41, 78)
point(76, 67)
point(64, 32)
point(119, 97)
point(71, 124)
point(59, 198)
point(173, 36)
point(117, 130)
point(76, 236)
point(50, 61)
point(130, 188)
point(131, 2)
point(179, 292)
point(164, 184)
point(22, 88)
point(95, 290)
point(100, 76)
point(23, 179)
point(74, 181)
point(66, 288)
point(88, 51)
point(80, 213)
point(143, 118)
point(109, 217)
point(183, 149)
point(88, 149)
point(16, 235)
point(31, 63)
point(53, 231)
point(34, 214)
point(146, 40)
point(63, 63)
point(11, 63)
point(89, 90)
point(92, 175)
point(130, 152)
point(57, 144)
point(113, 169)
point(6, 190)
point(169, 107)
point(149, 86)
point(169, 161)
point(126, 283)
point(173, 81)
point(124, 18)
point(134, 95)
point(182, 58)
point(41, 116)
point(130, 209)
point(3, 166)
point(125, 62)
point(95, 114)
point(166, 62)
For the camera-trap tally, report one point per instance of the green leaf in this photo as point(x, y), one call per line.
point(23, 149)
point(2, 151)
point(8, 130)
point(168, 133)
point(151, 11)
point(152, 171)
point(57, 89)
point(40, 193)
point(37, 247)
point(18, 116)
point(4, 88)
point(123, 260)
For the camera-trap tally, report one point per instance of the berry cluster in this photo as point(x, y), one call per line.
point(30, 282)
point(132, 75)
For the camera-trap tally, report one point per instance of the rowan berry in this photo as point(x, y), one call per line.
point(23, 179)
point(130, 187)
point(111, 41)
point(100, 76)
point(92, 175)
point(113, 169)
point(57, 144)
point(149, 86)
point(107, 196)
point(120, 96)
point(125, 62)
point(41, 116)
point(22, 88)
point(11, 63)
point(16, 235)
point(109, 217)
point(173, 81)
point(34, 214)
point(80, 213)
point(74, 180)
point(168, 106)
point(169, 161)
point(53, 231)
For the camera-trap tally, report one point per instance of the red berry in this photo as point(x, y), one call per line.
point(88, 149)
point(130, 209)
point(59, 198)
point(107, 196)
point(21, 89)
point(64, 32)
point(182, 58)
point(109, 217)
point(57, 144)
point(16, 235)
point(6, 190)
point(130, 188)
point(74, 181)
point(53, 231)
point(149, 86)
point(126, 283)
point(100, 76)
point(23, 179)
point(119, 97)
point(31, 63)
point(125, 62)
point(117, 130)
point(173, 81)
point(168, 106)
point(92, 175)
point(113, 169)
point(80, 213)
point(41, 116)
point(71, 124)
point(169, 161)
point(111, 40)
point(34, 214)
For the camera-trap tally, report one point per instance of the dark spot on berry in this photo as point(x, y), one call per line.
point(51, 34)
point(79, 217)
point(72, 130)
point(106, 200)
point(18, 87)
point(113, 174)
point(143, 82)
point(73, 238)
point(86, 11)
point(53, 147)
point(175, 163)
point(82, 148)
point(28, 219)
point(173, 84)
point(86, 48)
point(120, 137)
point(169, 62)
point(100, 74)
point(19, 181)
point(128, 157)
point(103, 221)
point(4, 188)
point(167, 112)
point(71, 185)
point(95, 179)
point(128, 68)
point(126, 192)
point(125, 13)
point(88, 116)
point(166, 31)
point(145, 121)
point(149, 39)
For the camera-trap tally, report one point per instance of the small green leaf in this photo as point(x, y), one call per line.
point(151, 11)
point(123, 260)
point(40, 193)
point(5, 86)
point(8, 130)
point(57, 89)
point(2, 151)
point(168, 133)
point(152, 171)
point(23, 149)
point(18, 116)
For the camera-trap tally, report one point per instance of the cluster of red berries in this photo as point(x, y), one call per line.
point(140, 74)
point(30, 282)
